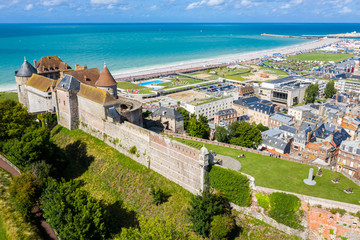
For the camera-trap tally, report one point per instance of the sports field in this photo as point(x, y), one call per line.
point(319, 56)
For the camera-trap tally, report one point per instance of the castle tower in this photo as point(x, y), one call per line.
point(107, 82)
point(21, 76)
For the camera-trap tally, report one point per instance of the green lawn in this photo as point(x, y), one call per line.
point(319, 56)
point(128, 85)
point(275, 71)
point(174, 83)
point(8, 96)
point(288, 176)
point(3, 235)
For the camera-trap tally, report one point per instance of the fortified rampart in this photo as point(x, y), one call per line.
point(177, 162)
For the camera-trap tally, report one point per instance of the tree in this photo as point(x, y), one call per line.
point(33, 146)
point(247, 136)
point(185, 114)
point(72, 212)
point(261, 127)
point(221, 134)
point(14, 119)
point(198, 127)
point(25, 190)
point(153, 229)
point(311, 92)
point(40, 169)
point(203, 208)
point(330, 89)
point(232, 129)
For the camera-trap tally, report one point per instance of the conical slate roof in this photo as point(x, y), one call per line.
point(105, 79)
point(26, 70)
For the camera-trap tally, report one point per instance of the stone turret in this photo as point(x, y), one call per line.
point(107, 82)
point(21, 76)
point(205, 160)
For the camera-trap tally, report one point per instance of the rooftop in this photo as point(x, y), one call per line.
point(41, 83)
point(281, 117)
point(225, 112)
point(26, 70)
point(167, 112)
point(96, 95)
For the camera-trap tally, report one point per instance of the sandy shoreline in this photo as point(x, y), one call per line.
point(233, 58)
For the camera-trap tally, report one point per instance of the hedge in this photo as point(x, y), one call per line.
point(233, 184)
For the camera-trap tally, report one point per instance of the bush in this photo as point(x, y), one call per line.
point(284, 209)
point(221, 226)
point(263, 200)
point(158, 195)
point(203, 208)
point(234, 185)
point(338, 210)
point(25, 190)
point(133, 150)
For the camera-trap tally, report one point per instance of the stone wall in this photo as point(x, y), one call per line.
point(175, 161)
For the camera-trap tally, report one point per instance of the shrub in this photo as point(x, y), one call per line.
point(284, 209)
point(263, 200)
point(221, 226)
point(158, 195)
point(338, 210)
point(233, 184)
point(133, 150)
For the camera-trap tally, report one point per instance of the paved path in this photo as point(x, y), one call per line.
point(229, 162)
point(4, 165)
point(47, 231)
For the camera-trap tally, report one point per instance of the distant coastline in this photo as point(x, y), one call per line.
point(232, 58)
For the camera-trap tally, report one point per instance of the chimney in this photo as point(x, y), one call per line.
point(85, 67)
point(35, 63)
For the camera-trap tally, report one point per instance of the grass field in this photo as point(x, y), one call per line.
point(319, 56)
point(277, 72)
point(128, 85)
point(288, 176)
point(120, 181)
point(8, 96)
point(182, 79)
point(3, 234)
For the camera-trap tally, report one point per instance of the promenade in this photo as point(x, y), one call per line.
point(198, 65)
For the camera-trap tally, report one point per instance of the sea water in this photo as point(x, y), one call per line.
point(129, 46)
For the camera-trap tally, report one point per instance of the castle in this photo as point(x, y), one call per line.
point(87, 99)
point(77, 95)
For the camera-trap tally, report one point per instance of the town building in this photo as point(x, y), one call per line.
point(260, 113)
point(246, 90)
point(227, 116)
point(169, 118)
point(349, 157)
point(347, 86)
point(279, 119)
point(209, 106)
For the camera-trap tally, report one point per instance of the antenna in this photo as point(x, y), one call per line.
point(24, 59)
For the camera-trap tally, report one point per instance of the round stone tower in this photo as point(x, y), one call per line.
point(21, 76)
point(107, 82)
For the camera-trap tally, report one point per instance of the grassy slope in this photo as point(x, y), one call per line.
point(3, 235)
point(10, 96)
point(288, 176)
point(113, 177)
point(318, 56)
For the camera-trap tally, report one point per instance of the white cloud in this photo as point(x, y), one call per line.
point(153, 8)
point(247, 3)
point(345, 10)
point(52, 2)
point(125, 8)
point(291, 4)
point(29, 7)
point(212, 3)
point(104, 2)
point(50, 9)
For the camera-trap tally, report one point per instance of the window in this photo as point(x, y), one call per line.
point(351, 164)
point(64, 103)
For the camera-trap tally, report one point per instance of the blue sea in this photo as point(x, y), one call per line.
point(129, 46)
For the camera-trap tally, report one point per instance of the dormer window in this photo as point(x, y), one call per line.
point(51, 69)
point(45, 69)
point(88, 79)
point(56, 68)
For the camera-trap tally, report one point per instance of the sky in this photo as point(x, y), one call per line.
point(78, 11)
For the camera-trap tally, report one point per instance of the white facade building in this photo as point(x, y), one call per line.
point(210, 107)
